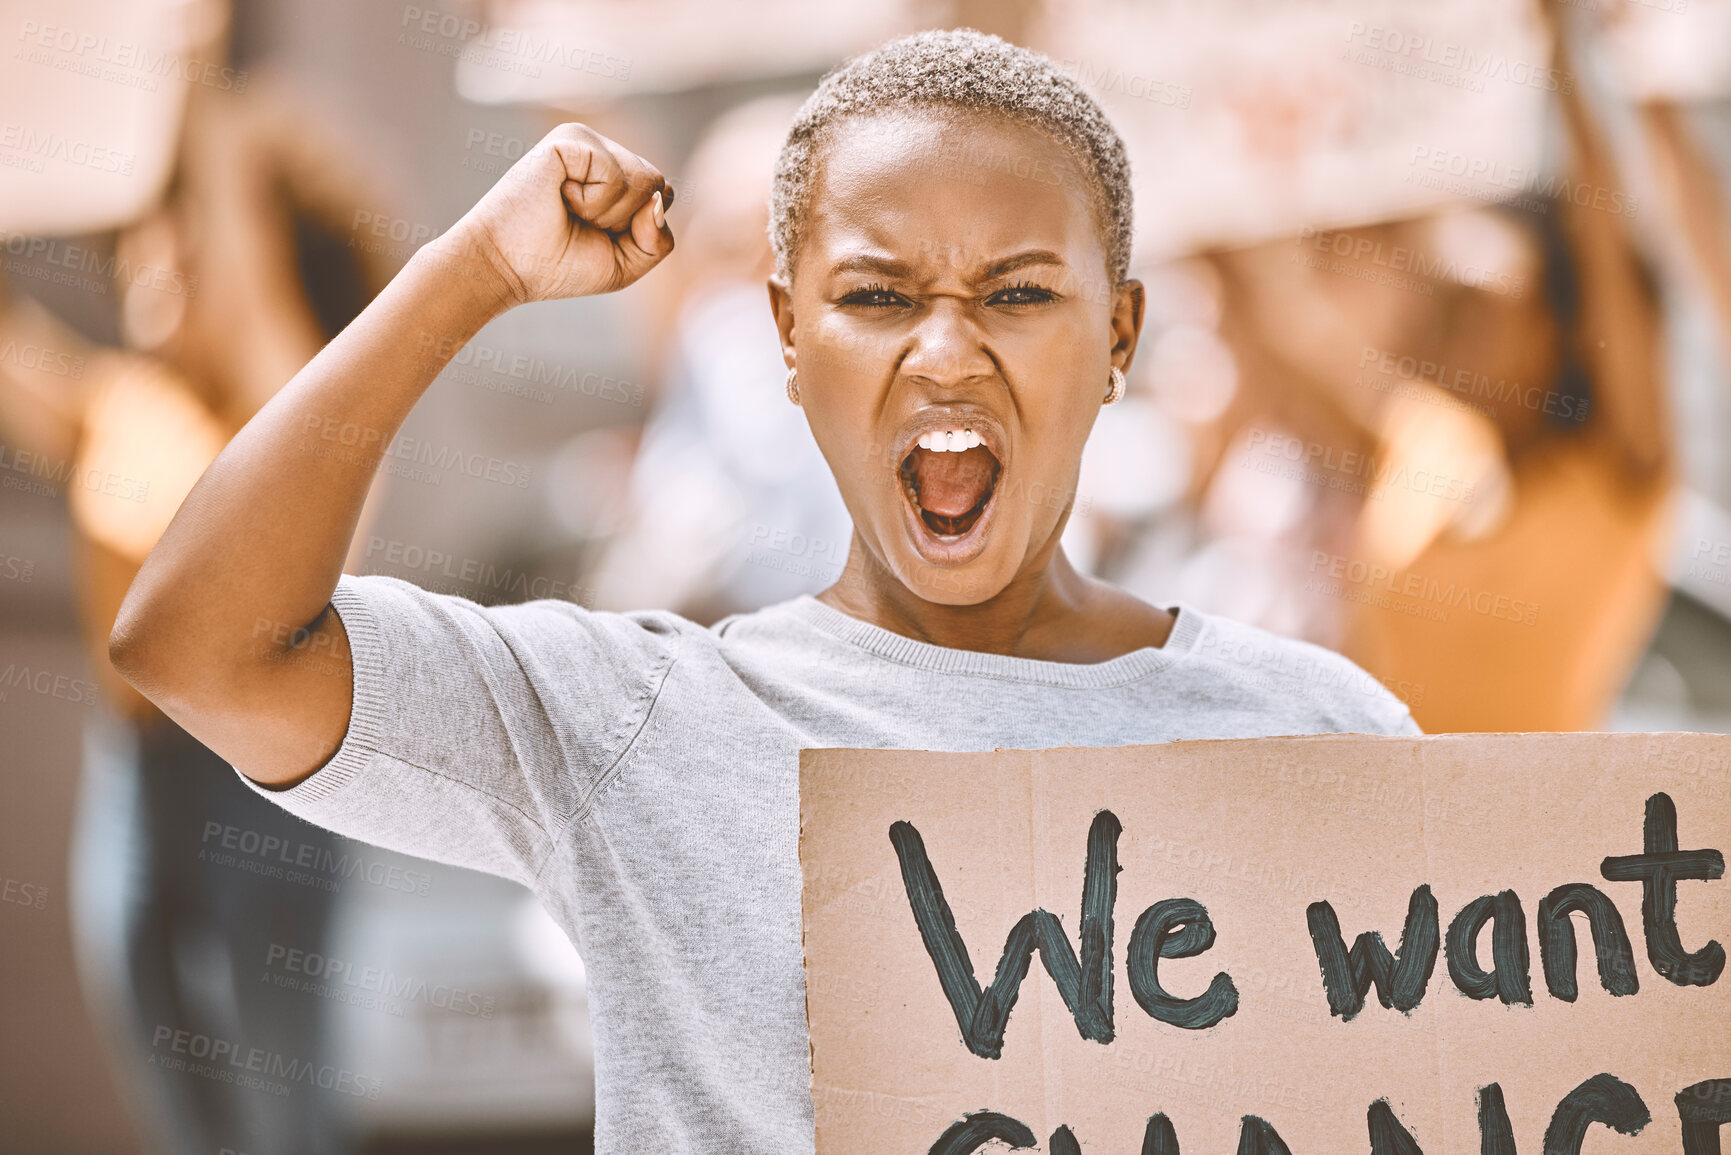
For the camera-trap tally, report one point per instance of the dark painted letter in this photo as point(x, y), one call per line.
point(974, 1131)
point(1400, 980)
point(1256, 1137)
point(1704, 1108)
point(1496, 1137)
point(1387, 1136)
point(1602, 1099)
point(1177, 928)
point(1658, 871)
point(1161, 1139)
point(1508, 979)
point(1610, 941)
point(1085, 986)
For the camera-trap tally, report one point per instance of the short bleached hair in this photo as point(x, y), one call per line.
point(957, 70)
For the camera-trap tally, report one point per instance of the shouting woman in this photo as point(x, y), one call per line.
point(951, 221)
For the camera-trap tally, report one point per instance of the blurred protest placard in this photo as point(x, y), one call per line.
point(91, 95)
point(1249, 119)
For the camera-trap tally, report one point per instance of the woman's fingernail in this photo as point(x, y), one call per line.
point(658, 212)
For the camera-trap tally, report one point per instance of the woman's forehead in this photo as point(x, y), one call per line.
point(964, 188)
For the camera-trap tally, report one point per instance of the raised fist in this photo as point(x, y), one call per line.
point(576, 215)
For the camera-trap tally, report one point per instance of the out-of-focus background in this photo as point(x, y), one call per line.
point(1435, 373)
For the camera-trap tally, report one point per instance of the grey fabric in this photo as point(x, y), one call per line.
point(640, 773)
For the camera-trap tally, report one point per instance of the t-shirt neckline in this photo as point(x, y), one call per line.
point(1130, 667)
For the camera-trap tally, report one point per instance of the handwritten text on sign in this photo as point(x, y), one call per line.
point(1250, 858)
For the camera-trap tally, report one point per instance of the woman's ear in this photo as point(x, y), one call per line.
point(781, 306)
point(1127, 311)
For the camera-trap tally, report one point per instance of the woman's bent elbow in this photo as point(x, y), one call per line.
point(139, 648)
point(129, 651)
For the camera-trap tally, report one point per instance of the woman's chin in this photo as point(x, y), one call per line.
point(960, 569)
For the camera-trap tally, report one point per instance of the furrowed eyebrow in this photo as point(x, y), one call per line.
point(890, 267)
point(1023, 260)
point(887, 266)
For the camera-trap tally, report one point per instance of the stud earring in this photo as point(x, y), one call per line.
point(1114, 391)
point(793, 386)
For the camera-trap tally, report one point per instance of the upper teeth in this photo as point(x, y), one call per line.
point(950, 440)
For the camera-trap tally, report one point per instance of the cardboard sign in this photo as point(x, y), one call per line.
point(1341, 943)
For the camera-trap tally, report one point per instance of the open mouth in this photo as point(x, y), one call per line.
point(950, 477)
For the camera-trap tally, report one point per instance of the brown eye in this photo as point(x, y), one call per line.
point(874, 296)
point(1022, 295)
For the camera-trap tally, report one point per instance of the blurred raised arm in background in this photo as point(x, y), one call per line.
point(224, 283)
point(1440, 439)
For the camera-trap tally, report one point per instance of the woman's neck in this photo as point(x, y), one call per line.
point(1048, 612)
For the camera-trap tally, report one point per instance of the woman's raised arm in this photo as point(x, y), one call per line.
point(228, 627)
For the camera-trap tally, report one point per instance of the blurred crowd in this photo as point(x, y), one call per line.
point(1435, 374)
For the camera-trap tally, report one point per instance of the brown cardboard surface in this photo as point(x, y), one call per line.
point(1255, 831)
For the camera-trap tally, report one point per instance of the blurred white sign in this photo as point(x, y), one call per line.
point(566, 52)
point(91, 93)
point(1249, 119)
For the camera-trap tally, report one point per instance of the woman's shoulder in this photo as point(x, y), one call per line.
point(1303, 677)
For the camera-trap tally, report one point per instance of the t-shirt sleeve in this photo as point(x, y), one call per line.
point(477, 733)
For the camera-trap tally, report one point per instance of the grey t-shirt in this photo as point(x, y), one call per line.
point(640, 773)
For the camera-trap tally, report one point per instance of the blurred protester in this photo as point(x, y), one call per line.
point(225, 288)
point(1446, 446)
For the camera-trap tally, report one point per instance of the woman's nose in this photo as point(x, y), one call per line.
point(946, 346)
